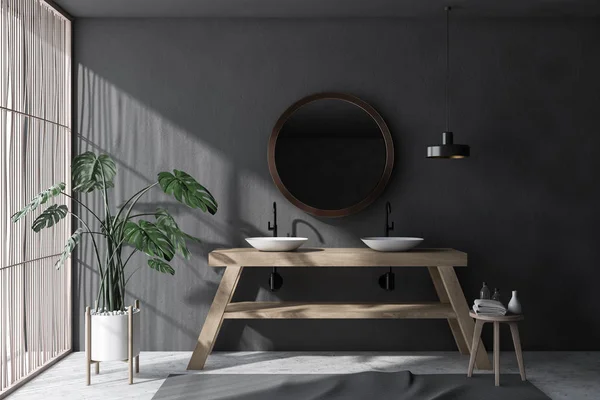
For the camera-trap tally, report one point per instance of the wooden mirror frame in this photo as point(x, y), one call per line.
point(383, 180)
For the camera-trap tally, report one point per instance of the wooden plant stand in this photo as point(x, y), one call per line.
point(440, 263)
point(88, 346)
point(511, 320)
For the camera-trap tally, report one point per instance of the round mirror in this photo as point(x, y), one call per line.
point(331, 154)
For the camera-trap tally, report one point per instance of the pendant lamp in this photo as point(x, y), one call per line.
point(448, 149)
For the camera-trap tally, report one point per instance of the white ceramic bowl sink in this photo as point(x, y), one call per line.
point(392, 243)
point(276, 243)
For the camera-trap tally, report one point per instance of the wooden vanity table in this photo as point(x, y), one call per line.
point(440, 263)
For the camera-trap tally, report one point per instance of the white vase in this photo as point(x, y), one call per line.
point(514, 306)
point(110, 336)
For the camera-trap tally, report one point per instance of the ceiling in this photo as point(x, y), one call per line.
point(326, 8)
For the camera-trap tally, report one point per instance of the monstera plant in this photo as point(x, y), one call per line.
point(121, 230)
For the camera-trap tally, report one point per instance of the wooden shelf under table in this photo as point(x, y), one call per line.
point(304, 310)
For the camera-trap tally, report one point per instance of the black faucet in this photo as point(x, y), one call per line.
point(275, 280)
point(274, 227)
point(387, 281)
point(388, 211)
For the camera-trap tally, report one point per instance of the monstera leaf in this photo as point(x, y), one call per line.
point(49, 217)
point(161, 266)
point(88, 170)
point(187, 190)
point(69, 247)
point(38, 200)
point(167, 224)
point(147, 237)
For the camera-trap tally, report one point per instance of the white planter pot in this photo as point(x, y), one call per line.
point(110, 337)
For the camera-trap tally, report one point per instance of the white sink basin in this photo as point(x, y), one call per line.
point(276, 243)
point(392, 243)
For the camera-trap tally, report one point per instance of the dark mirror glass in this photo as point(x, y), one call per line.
point(330, 154)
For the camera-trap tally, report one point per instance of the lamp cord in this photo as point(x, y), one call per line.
point(447, 94)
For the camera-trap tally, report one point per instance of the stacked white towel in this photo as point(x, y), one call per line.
point(489, 307)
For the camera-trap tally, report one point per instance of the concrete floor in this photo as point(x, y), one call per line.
point(561, 375)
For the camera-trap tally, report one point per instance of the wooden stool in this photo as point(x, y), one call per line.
point(511, 320)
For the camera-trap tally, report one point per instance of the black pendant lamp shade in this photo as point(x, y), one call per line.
point(448, 149)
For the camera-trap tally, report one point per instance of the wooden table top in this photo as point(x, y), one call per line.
point(337, 257)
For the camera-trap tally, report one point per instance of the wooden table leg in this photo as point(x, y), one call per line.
point(214, 319)
point(475, 346)
point(130, 343)
point(137, 358)
point(461, 309)
point(514, 330)
point(443, 296)
point(497, 352)
point(88, 345)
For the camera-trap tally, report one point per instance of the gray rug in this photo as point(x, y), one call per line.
point(365, 385)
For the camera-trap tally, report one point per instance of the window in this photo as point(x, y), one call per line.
point(35, 153)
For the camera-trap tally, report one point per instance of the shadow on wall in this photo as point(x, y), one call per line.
point(113, 122)
point(143, 143)
point(202, 96)
point(314, 230)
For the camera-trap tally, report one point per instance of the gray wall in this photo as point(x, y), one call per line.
point(203, 95)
